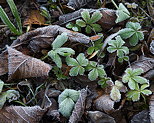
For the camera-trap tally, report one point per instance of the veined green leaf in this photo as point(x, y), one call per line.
point(86, 16)
point(115, 94)
point(96, 27)
point(82, 59)
point(96, 16)
point(64, 51)
point(88, 29)
point(93, 75)
point(80, 23)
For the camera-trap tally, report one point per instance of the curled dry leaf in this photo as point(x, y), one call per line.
point(42, 38)
point(151, 107)
point(104, 103)
point(76, 4)
point(23, 66)
point(79, 107)
point(3, 64)
point(107, 21)
point(145, 63)
point(99, 117)
point(144, 115)
point(19, 114)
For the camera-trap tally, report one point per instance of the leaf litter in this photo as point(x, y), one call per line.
point(74, 63)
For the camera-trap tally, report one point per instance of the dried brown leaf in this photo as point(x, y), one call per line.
point(42, 38)
point(19, 114)
point(99, 117)
point(79, 107)
point(3, 64)
point(23, 66)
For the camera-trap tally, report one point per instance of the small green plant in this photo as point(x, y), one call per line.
point(58, 72)
point(45, 13)
point(90, 22)
point(133, 78)
point(67, 100)
point(60, 51)
point(115, 91)
point(117, 46)
point(96, 46)
point(122, 13)
point(7, 21)
point(9, 95)
point(134, 95)
point(103, 81)
point(77, 64)
point(73, 26)
point(132, 31)
point(96, 70)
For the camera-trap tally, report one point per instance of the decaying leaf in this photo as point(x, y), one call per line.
point(3, 64)
point(141, 117)
point(104, 103)
point(145, 63)
point(34, 18)
point(151, 107)
point(76, 4)
point(23, 66)
point(152, 47)
point(107, 21)
point(79, 107)
point(19, 114)
point(99, 117)
point(42, 38)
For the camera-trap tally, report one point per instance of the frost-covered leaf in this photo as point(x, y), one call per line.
point(86, 16)
point(122, 13)
point(88, 29)
point(1, 85)
point(64, 51)
point(96, 27)
point(93, 74)
point(82, 59)
point(96, 16)
point(126, 33)
point(67, 100)
point(80, 23)
point(115, 94)
point(59, 41)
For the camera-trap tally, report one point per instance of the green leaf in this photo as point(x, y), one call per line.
point(15, 14)
point(96, 27)
point(136, 26)
point(101, 71)
point(96, 16)
point(111, 49)
point(66, 107)
point(133, 40)
point(122, 13)
point(1, 85)
point(118, 84)
point(60, 40)
point(146, 92)
point(93, 75)
point(125, 78)
point(55, 57)
point(7, 21)
point(75, 28)
point(140, 79)
point(86, 16)
point(71, 61)
point(90, 50)
point(88, 29)
point(80, 23)
point(132, 84)
point(137, 71)
point(2, 99)
point(82, 59)
point(81, 71)
point(144, 86)
point(69, 25)
point(64, 51)
point(115, 94)
point(74, 71)
point(126, 33)
point(136, 96)
point(140, 35)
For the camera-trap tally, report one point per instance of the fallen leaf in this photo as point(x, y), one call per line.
point(144, 115)
point(151, 107)
point(41, 38)
point(99, 117)
point(3, 63)
point(20, 114)
point(23, 66)
point(34, 18)
point(79, 107)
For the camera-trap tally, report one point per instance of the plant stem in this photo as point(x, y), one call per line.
point(114, 4)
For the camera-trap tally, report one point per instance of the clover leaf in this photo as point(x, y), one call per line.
point(58, 50)
point(73, 26)
point(132, 31)
point(103, 81)
point(89, 22)
point(133, 79)
point(123, 58)
point(96, 70)
point(67, 100)
point(122, 13)
point(1, 85)
point(117, 46)
point(78, 64)
point(135, 94)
